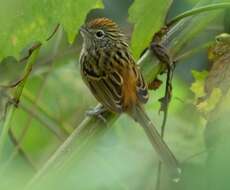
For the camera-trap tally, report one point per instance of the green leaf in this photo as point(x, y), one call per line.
point(30, 21)
point(148, 17)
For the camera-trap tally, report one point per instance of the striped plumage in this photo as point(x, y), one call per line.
point(110, 71)
point(111, 74)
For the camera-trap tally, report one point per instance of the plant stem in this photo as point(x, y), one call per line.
point(16, 97)
point(5, 128)
point(196, 11)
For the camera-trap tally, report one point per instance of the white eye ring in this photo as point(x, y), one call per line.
point(99, 34)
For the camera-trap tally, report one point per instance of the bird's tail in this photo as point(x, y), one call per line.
point(138, 114)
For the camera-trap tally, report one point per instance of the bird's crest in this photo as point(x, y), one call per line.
point(102, 22)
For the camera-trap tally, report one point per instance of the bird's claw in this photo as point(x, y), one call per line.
point(97, 112)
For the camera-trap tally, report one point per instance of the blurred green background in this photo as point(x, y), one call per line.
point(55, 99)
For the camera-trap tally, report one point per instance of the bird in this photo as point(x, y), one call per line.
point(110, 72)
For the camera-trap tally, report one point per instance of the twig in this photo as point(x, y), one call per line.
point(54, 32)
point(16, 98)
point(163, 55)
point(31, 50)
point(20, 85)
point(21, 151)
point(35, 46)
point(13, 84)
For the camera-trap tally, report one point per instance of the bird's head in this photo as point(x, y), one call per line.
point(100, 33)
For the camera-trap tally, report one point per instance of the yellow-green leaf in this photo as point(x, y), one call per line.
point(198, 86)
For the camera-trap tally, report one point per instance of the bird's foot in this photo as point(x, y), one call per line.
point(97, 112)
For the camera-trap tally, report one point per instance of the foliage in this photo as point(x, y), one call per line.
point(33, 21)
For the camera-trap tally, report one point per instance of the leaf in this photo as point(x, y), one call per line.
point(148, 17)
point(35, 20)
point(198, 86)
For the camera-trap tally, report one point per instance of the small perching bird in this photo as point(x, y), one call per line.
point(110, 72)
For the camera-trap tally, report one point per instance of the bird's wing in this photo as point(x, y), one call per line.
point(118, 88)
point(107, 90)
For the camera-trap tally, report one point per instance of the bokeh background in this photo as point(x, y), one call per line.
point(55, 99)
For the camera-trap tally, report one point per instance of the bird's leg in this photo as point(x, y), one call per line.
point(97, 112)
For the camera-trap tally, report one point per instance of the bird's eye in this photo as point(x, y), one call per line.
point(99, 34)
